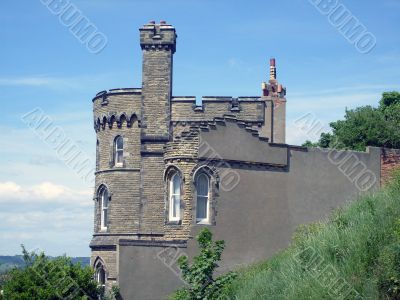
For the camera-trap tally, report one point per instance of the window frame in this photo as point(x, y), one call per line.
point(100, 270)
point(104, 211)
point(206, 220)
point(172, 200)
point(117, 151)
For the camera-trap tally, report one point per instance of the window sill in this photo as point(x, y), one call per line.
point(202, 222)
point(174, 222)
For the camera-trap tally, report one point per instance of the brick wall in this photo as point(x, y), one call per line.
point(390, 160)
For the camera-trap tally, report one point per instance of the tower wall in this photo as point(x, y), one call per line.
point(116, 114)
point(158, 42)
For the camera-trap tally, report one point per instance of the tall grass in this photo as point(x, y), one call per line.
point(354, 255)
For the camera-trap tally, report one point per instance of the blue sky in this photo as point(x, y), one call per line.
point(223, 49)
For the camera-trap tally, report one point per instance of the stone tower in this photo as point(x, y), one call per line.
point(158, 42)
point(132, 126)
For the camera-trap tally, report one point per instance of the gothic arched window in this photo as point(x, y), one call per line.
point(104, 201)
point(118, 151)
point(100, 275)
point(175, 197)
point(202, 192)
point(97, 154)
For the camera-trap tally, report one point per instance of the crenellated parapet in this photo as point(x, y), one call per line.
point(250, 109)
point(116, 106)
point(115, 118)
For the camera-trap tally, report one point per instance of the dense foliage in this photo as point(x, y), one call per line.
point(366, 126)
point(201, 283)
point(43, 278)
point(354, 255)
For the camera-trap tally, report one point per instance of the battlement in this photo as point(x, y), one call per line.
point(118, 91)
point(158, 36)
point(185, 108)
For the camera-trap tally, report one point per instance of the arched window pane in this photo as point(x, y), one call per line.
point(175, 197)
point(101, 275)
point(120, 143)
point(119, 150)
point(104, 208)
point(97, 155)
point(202, 186)
point(176, 185)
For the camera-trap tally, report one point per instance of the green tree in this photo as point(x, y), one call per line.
point(389, 98)
point(43, 278)
point(200, 274)
point(365, 126)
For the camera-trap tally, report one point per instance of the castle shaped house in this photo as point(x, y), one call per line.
point(167, 167)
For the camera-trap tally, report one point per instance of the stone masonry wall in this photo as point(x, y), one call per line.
point(390, 161)
point(181, 153)
point(122, 182)
point(246, 110)
point(109, 257)
point(157, 80)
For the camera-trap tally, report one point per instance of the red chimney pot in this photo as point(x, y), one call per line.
point(272, 62)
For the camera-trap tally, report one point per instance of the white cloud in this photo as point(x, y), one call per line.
point(45, 192)
point(56, 231)
point(56, 83)
point(28, 81)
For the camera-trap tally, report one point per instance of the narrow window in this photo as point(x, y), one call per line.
point(119, 151)
point(104, 208)
point(100, 276)
point(97, 155)
point(202, 207)
point(175, 197)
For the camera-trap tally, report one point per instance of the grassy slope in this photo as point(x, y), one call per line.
point(356, 253)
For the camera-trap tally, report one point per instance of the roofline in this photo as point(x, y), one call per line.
point(118, 91)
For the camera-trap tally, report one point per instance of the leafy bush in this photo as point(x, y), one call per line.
point(199, 275)
point(43, 278)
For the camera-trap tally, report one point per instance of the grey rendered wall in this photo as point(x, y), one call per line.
point(257, 218)
point(290, 186)
point(148, 272)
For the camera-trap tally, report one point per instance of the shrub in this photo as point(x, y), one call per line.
point(43, 278)
point(199, 275)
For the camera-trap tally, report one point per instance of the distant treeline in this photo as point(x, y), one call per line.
point(17, 261)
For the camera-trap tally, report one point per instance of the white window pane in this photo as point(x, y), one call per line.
point(104, 198)
point(201, 209)
point(202, 185)
point(119, 143)
point(119, 157)
point(105, 217)
point(175, 206)
point(176, 189)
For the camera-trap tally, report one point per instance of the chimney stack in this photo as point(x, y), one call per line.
point(272, 69)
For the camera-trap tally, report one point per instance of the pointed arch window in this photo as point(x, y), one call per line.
point(100, 275)
point(97, 154)
point(175, 197)
point(202, 193)
point(118, 151)
point(104, 201)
